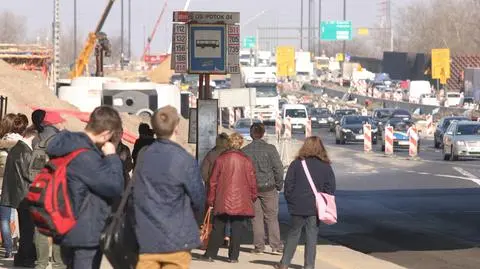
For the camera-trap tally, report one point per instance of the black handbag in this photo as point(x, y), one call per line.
point(118, 240)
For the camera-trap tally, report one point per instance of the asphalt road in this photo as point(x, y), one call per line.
point(416, 213)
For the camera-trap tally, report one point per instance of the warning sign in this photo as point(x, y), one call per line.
point(441, 64)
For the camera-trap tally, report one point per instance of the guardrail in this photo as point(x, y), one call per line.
point(426, 109)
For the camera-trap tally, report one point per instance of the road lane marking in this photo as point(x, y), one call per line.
point(464, 172)
point(424, 173)
point(476, 181)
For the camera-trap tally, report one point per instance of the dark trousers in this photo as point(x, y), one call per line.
point(26, 251)
point(42, 246)
point(82, 258)
point(266, 215)
point(218, 232)
point(311, 225)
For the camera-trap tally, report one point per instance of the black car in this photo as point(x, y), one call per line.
point(337, 116)
point(319, 116)
point(382, 115)
point(442, 127)
point(350, 129)
point(401, 114)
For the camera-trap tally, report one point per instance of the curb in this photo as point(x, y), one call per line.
point(346, 258)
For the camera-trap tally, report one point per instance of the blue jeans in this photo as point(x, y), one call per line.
point(5, 217)
point(311, 225)
point(228, 228)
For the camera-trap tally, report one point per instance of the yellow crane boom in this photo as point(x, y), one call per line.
point(82, 60)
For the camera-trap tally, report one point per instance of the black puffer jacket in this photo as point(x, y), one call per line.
point(16, 177)
point(298, 193)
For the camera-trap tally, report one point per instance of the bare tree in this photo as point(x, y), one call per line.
point(13, 28)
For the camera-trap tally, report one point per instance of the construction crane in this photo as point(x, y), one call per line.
point(146, 50)
point(82, 61)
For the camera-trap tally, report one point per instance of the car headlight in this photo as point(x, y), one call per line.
point(346, 130)
point(330, 119)
point(461, 143)
point(314, 118)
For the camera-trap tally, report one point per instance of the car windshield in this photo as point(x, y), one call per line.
point(245, 124)
point(447, 122)
point(320, 111)
point(468, 129)
point(296, 113)
point(265, 91)
point(356, 120)
point(382, 114)
point(401, 126)
point(344, 112)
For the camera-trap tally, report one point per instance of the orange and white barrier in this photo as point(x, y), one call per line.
point(193, 101)
point(364, 112)
point(260, 117)
point(278, 125)
point(231, 116)
point(430, 125)
point(389, 140)
point(288, 128)
point(413, 139)
point(308, 129)
point(238, 113)
point(367, 137)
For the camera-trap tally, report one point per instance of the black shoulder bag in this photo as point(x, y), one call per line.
point(118, 240)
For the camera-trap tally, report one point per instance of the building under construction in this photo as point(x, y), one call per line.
point(26, 56)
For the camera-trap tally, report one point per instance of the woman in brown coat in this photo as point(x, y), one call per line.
point(232, 191)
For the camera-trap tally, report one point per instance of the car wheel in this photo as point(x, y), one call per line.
point(453, 157)
point(342, 141)
point(337, 141)
point(446, 156)
point(435, 143)
point(383, 148)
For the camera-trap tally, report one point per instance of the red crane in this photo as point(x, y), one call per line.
point(146, 50)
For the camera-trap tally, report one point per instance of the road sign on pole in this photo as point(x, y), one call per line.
point(285, 61)
point(249, 42)
point(441, 64)
point(335, 30)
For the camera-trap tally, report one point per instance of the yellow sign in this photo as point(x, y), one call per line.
point(339, 57)
point(285, 61)
point(441, 64)
point(362, 31)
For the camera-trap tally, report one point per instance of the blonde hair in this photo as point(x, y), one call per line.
point(314, 148)
point(235, 141)
point(164, 121)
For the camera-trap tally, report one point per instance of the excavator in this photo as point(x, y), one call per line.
point(82, 61)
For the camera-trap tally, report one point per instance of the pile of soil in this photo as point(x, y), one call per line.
point(162, 73)
point(26, 90)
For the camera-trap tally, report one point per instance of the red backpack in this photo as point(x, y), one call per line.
point(49, 200)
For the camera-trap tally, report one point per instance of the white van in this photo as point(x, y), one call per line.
point(417, 88)
point(298, 116)
point(453, 99)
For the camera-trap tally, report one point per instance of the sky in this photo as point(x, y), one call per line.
point(284, 13)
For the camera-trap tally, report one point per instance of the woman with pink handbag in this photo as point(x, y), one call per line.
point(309, 189)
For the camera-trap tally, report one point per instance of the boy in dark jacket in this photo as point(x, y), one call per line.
point(95, 179)
point(168, 190)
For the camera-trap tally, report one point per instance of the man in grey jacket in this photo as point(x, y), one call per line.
point(269, 171)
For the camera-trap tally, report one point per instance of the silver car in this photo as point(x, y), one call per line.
point(462, 139)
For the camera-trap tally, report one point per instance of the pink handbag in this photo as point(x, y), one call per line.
point(326, 206)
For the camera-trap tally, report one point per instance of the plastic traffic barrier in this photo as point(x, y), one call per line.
point(231, 116)
point(288, 128)
point(278, 126)
point(389, 140)
point(430, 125)
point(308, 129)
point(413, 141)
point(367, 137)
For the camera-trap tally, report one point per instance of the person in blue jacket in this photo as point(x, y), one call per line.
point(95, 179)
point(168, 191)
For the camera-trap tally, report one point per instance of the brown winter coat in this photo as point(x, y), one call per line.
point(233, 187)
point(209, 161)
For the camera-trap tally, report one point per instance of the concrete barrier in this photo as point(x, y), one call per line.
point(426, 109)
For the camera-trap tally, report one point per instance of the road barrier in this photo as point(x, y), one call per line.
point(231, 116)
point(288, 128)
point(367, 137)
point(430, 125)
point(308, 129)
point(364, 112)
point(278, 126)
point(389, 140)
point(238, 113)
point(413, 141)
point(260, 117)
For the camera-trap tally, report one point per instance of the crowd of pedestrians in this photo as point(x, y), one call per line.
point(171, 192)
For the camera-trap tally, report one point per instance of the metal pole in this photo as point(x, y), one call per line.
point(301, 24)
point(319, 26)
point(256, 47)
point(344, 18)
point(56, 44)
point(310, 25)
point(130, 29)
point(122, 51)
point(74, 30)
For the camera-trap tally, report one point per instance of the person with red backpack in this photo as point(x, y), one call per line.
point(85, 169)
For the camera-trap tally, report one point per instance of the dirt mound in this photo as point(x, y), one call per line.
point(162, 73)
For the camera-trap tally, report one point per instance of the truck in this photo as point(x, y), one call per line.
point(348, 69)
point(472, 84)
point(267, 101)
point(259, 74)
point(417, 88)
point(303, 65)
point(322, 63)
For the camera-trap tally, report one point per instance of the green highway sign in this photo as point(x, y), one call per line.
point(335, 30)
point(249, 42)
